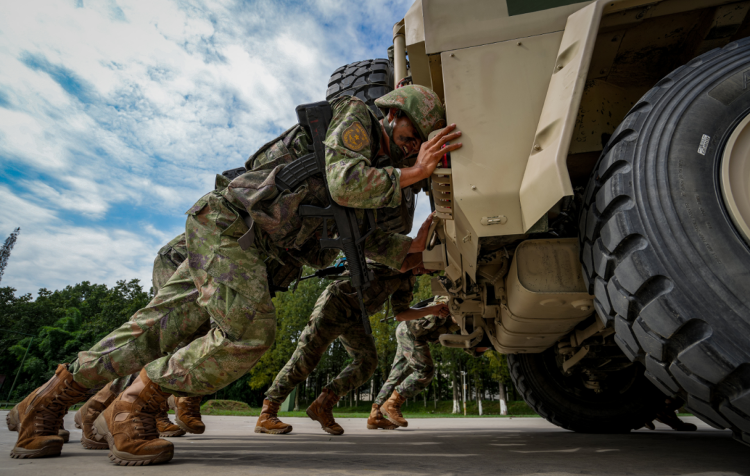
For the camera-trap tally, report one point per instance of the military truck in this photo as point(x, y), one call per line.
point(595, 226)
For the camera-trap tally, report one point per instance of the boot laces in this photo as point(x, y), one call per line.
point(193, 405)
point(49, 417)
point(397, 409)
point(162, 418)
point(272, 418)
point(144, 425)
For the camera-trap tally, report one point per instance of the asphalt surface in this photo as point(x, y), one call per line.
point(439, 446)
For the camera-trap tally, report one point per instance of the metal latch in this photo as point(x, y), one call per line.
point(496, 220)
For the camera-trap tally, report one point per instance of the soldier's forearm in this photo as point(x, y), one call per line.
point(412, 175)
point(413, 314)
point(411, 261)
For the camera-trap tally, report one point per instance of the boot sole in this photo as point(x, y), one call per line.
point(182, 425)
point(172, 434)
point(90, 444)
point(123, 458)
point(260, 429)
point(325, 428)
point(47, 451)
point(376, 427)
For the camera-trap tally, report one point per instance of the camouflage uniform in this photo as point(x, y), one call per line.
point(412, 368)
point(336, 314)
point(167, 260)
point(228, 285)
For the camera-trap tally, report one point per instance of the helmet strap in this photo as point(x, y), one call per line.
point(396, 152)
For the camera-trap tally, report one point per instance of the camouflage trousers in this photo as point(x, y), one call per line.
point(412, 368)
point(167, 260)
point(218, 283)
point(336, 315)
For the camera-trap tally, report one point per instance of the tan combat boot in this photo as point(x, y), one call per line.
point(63, 433)
point(376, 420)
point(268, 421)
point(164, 425)
point(392, 409)
point(40, 415)
point(188, 413)
point(11, 419)
point(87, 415)
point(130, 428)
point(321, 410)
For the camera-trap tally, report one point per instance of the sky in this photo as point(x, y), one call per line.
point(116, 115)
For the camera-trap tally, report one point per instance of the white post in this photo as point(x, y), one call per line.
point(463, 380)
point(503, 400)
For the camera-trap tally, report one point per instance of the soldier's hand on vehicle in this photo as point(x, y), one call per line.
point(439, 310)
point(432, 150)
point(429, 155)
point(420, 242)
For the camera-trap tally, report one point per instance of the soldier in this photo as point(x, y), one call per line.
point(187, 409)
point(412, 368)
point(336, 316)
point(225, 278)
point(169, 257)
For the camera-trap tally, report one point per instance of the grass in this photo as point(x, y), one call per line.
point(413, 409)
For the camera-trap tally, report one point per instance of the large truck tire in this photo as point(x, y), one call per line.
point(626, 402)
point(367, 80)
point(664, 241)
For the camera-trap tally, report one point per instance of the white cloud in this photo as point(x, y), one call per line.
point(53, 254)
point(110, 105)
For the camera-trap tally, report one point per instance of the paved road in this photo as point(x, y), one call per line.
point(518, 446)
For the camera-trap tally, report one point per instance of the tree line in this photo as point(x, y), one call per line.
point(55, 326)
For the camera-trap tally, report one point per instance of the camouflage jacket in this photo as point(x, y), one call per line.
point(279, 228)
point(430, 328)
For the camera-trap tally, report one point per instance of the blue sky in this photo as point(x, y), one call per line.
point(116, 115)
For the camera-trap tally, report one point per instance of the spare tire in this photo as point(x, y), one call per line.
point(367, 80)
point(664, 245)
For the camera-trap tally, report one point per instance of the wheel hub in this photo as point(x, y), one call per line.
point(735, 178)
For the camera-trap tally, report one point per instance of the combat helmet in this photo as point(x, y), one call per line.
point(420, 104)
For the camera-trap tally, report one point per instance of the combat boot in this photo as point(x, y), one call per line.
point(63, 433)
point(392, 409)
point(376, 421)
point(268, 421)
point(129, 428)
point(164, 425)
point(321, 410)
point(188, 413)
point(87, 415)
point(40, 415)
point(11, 419)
